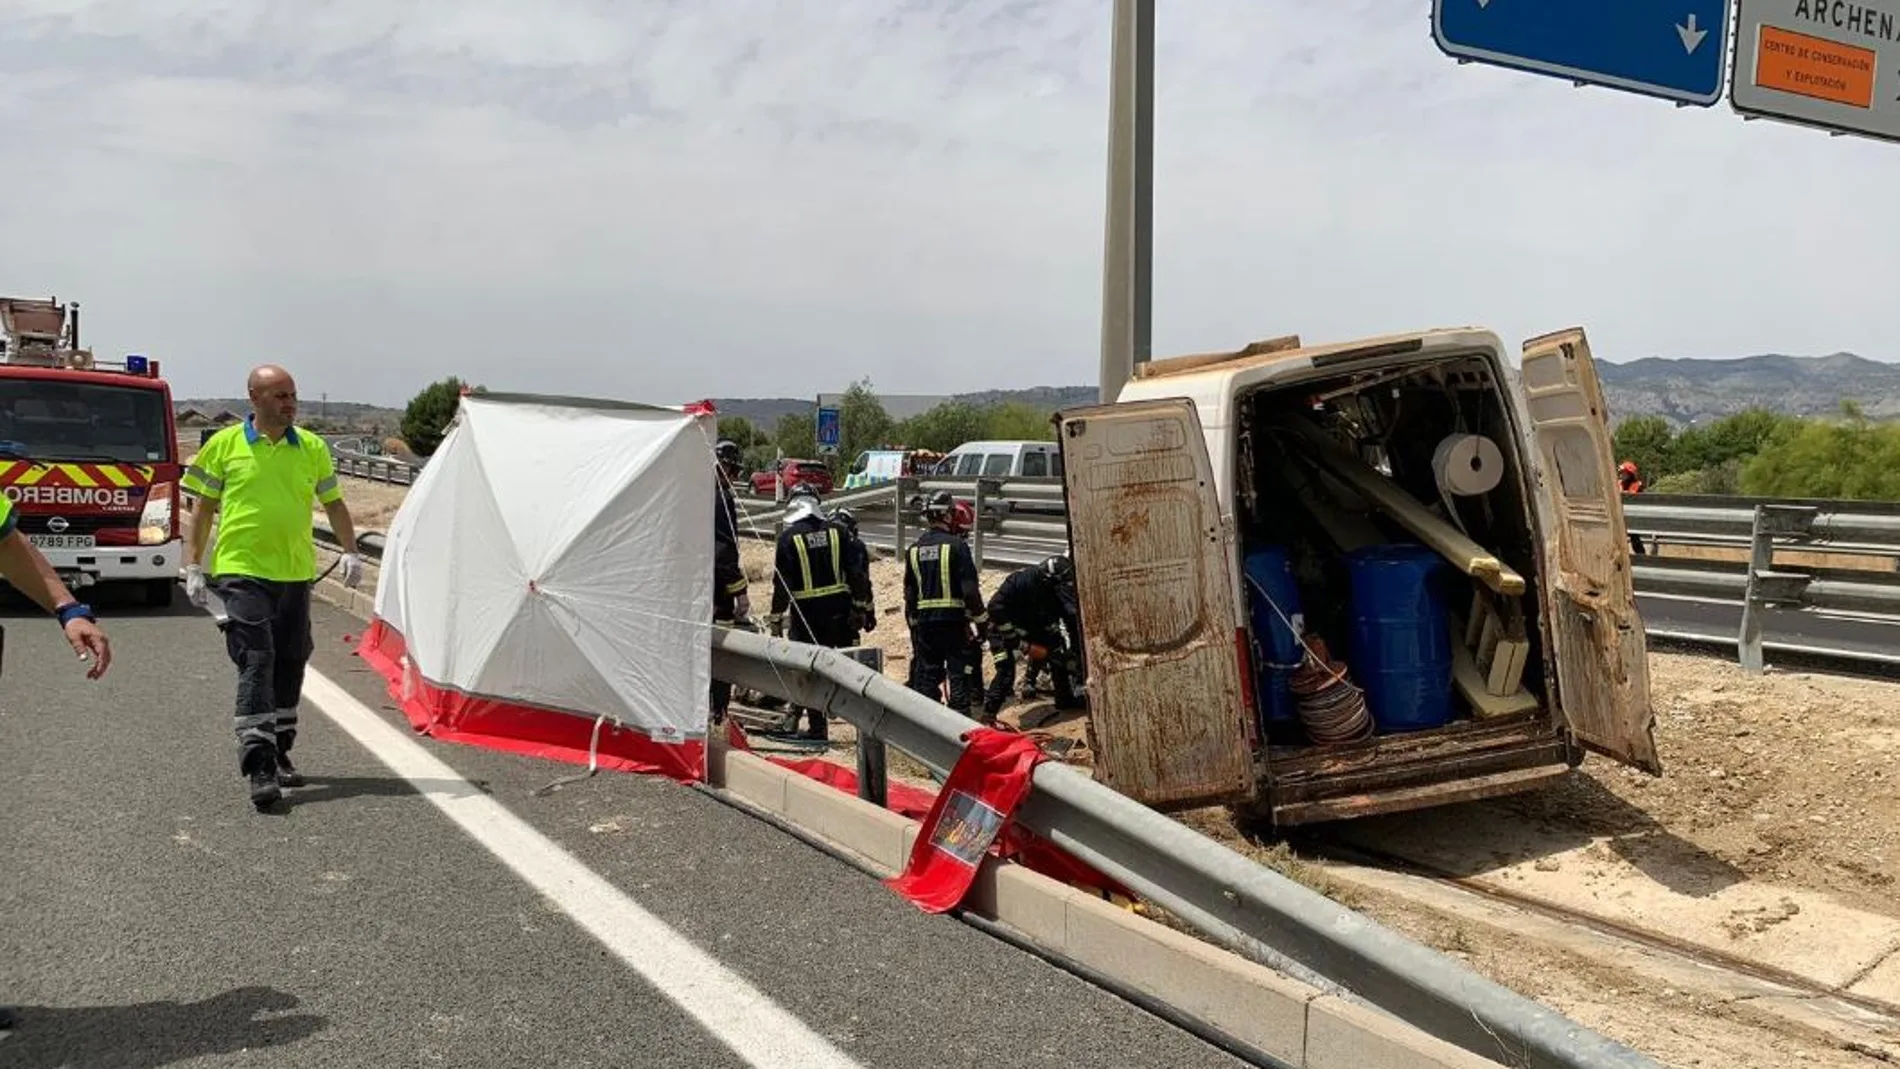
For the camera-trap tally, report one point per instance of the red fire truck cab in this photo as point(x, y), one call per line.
point(89, 457)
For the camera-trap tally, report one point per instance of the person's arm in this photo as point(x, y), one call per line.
point(342, 523)
point(963, 573)
point(204, 481)
point(784, 559)
point(330, 496)
point(30, 572)
point(24, 566)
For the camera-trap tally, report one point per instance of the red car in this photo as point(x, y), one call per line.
point(810, 473)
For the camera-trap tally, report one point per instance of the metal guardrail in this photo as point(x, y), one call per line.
point(1229, 899)
point(1236, 903)
point(375, 469)
point(1021, 521)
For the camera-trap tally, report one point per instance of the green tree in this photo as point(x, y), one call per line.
point(944, 427)
point(739, 430)
point(1849, 459)
point(427, 416)
point(1646, 440)
point(862, 422)
point(797, 434)
point(1017, 421)
point(1735, 437)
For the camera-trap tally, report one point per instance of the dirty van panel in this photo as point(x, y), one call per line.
point(1151, 559)
point(1602, 658)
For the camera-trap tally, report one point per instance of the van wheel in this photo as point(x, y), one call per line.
point(158, 592)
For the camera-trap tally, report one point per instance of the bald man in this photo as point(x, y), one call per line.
point(256, 480)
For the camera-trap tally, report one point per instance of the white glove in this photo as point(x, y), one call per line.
point(352, 570)
point(195, 584)
point(742, 606)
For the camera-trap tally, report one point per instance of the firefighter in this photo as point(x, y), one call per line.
point(809, 580)
point(857, 575)
point(1029, 610)
point(731, 606)
point(23, 566)
point(944, 607)
point(256, 480)
point(1630, 481)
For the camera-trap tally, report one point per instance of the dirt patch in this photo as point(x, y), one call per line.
point(1786, 778)
point(1862, 562)
point(1677, 1028)
point(372, 504)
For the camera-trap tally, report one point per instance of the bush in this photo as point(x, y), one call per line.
point(427, 416)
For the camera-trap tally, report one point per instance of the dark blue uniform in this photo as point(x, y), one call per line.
point(944, 606)
point(1033, 609)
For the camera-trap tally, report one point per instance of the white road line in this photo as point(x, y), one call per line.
point(732, 1010)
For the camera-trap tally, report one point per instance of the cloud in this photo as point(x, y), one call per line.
point(755, 197)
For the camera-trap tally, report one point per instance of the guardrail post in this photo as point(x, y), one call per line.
point(1764, 585)
point(976, 533)
point(897, 515)
point(873, 780)
point(1761, 558)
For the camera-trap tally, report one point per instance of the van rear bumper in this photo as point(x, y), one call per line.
point(1397, 773)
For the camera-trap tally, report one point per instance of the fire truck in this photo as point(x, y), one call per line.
point(88, 453)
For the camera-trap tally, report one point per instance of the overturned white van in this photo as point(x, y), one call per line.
point(1317, 583)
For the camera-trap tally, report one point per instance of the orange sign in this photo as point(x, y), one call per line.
point(1815, 67)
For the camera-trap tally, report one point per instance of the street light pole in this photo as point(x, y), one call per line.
point(1128, 251)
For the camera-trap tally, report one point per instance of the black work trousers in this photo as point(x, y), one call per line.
point(725, 614)
point(945, 653)
point(1005, 646)
point(829, 622)
point(267, 634)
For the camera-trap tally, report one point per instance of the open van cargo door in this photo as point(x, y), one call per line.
point(1153, 562)
point(1602, 654)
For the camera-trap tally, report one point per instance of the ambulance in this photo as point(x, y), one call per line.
point(88, 454)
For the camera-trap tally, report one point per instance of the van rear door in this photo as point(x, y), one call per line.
point(1602, 656)
point(1170, 717)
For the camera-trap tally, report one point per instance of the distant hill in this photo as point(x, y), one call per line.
point(1684, 391)
point(335, 411)
point(1680, 390)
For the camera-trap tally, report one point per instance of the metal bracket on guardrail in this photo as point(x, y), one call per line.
point(1766, 586)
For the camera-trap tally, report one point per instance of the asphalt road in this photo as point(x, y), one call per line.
point(153, 918)
point(1783, 630)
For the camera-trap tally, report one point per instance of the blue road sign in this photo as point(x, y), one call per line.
point(828, 429)
point(1674, 49)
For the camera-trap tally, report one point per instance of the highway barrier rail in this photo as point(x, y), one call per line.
point(1020, 521)
point(1230, 900)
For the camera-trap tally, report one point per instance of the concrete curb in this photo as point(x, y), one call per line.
point(1288, 1020)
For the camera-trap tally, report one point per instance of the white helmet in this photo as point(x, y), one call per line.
point(803, 504)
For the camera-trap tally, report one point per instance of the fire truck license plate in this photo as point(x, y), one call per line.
point(53, 541)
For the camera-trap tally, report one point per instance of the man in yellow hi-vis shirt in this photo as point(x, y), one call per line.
point(257, 478)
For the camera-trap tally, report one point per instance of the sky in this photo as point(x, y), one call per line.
point(752, 198)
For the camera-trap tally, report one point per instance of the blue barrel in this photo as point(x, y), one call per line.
point(1276, 649)
point(1401, 639)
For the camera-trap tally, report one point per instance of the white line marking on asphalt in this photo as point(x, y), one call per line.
point(737, 1014)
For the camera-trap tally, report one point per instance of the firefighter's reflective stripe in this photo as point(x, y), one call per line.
point(326, 486)
point(806, 589)
point(946, 596)
point(737, 586)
